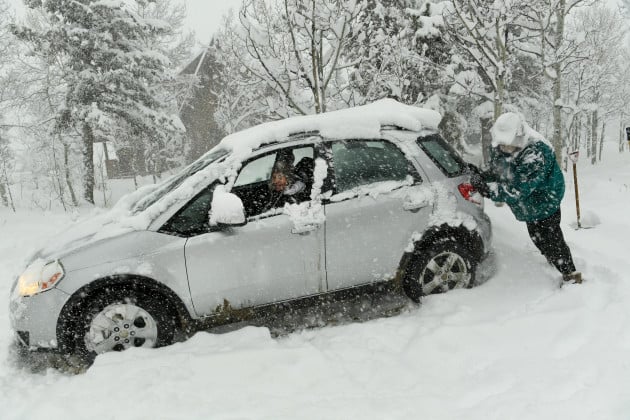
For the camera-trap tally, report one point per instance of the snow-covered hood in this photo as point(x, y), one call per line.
point(130, 214)
point(97, 226)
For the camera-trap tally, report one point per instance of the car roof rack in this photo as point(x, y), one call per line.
point(303, 134)
point(394, 127)
point(298, 135)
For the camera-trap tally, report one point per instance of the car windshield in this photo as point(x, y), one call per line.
point(176, 180)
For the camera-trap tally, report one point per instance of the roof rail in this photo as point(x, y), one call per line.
point(303, 134)
point(394, 127)
point(298, 135)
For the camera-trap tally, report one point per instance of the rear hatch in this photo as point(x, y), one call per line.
point(452, 167)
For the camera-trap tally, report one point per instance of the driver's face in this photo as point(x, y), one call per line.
point(509, 149)
point(279, 181)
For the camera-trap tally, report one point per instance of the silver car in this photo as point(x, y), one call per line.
point(390, 204)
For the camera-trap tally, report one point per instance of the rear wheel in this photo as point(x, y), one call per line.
point(438, 268)
point(119, 319)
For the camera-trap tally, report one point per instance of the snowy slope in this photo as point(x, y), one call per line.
point(516, 347)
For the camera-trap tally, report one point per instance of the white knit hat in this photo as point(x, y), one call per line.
point(509, 129)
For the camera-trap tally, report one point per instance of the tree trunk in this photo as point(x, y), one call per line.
point(57, 175)
point(498, 98)
point(556, 140)
point(575, 134)
point(594, 123)
point(499, 95)
point(3, 194)
point(601, 141)
point(622, 133)
point(66, 158)
point(588, 132)
point(314, 62)
point(88, 163)
point(5, 189)
point(486, 139)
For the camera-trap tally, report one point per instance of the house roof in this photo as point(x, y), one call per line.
point(195, 64)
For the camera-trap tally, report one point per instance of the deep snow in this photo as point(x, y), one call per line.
point(516, 347)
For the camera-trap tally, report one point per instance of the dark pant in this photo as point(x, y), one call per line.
point(548, 238)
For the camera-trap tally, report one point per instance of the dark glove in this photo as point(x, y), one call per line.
point(472, 169)
point(480, 185)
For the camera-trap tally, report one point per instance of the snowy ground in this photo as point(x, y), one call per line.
point(516, 347)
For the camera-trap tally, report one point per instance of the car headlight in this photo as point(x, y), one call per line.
point(39, 277)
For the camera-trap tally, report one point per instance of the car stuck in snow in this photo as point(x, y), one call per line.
point(384, 199)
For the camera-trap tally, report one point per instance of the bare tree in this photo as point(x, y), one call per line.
point(8, 81)
point(556, 51)
point(113, 77)
point(176, 43)
point(302, 49)
point(6, 197)
point(304, 56)
point(595, 85)
point(38, 96)
point(488, 34)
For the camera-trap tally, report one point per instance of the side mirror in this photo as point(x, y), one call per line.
point(226, 209)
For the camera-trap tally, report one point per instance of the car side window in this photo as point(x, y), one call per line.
point(192, 219)
point(443, 155)
point(253, 186)
point(360, 162)
point(256, 170)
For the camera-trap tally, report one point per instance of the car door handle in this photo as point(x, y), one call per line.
point(304, 229)
point(414, 207)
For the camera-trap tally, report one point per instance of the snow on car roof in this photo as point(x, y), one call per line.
point(359, 122)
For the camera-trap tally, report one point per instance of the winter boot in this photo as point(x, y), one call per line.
point(573, 278)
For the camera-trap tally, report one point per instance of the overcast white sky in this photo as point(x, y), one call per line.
point(204, 16)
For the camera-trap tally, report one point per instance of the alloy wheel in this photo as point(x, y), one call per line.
point(120, 326)
point(445, 271)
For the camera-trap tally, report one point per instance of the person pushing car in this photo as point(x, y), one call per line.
point(524, 173)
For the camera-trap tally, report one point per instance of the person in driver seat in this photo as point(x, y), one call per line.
point(285, 186)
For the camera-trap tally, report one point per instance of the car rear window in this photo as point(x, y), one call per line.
point(359, 162)
point(444, 156)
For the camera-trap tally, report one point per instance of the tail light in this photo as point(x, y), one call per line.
point(470, 193)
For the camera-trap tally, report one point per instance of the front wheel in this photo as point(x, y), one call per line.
point(438, 268)
point(117, 320)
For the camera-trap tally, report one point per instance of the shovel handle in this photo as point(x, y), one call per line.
point(577, 195)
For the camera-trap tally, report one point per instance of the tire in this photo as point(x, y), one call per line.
point(121, 318)
point(444, 265)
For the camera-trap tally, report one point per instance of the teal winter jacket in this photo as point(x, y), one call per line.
point(530, 181)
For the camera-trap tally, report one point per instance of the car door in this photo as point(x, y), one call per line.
point(379, 201)
point(265, 261)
